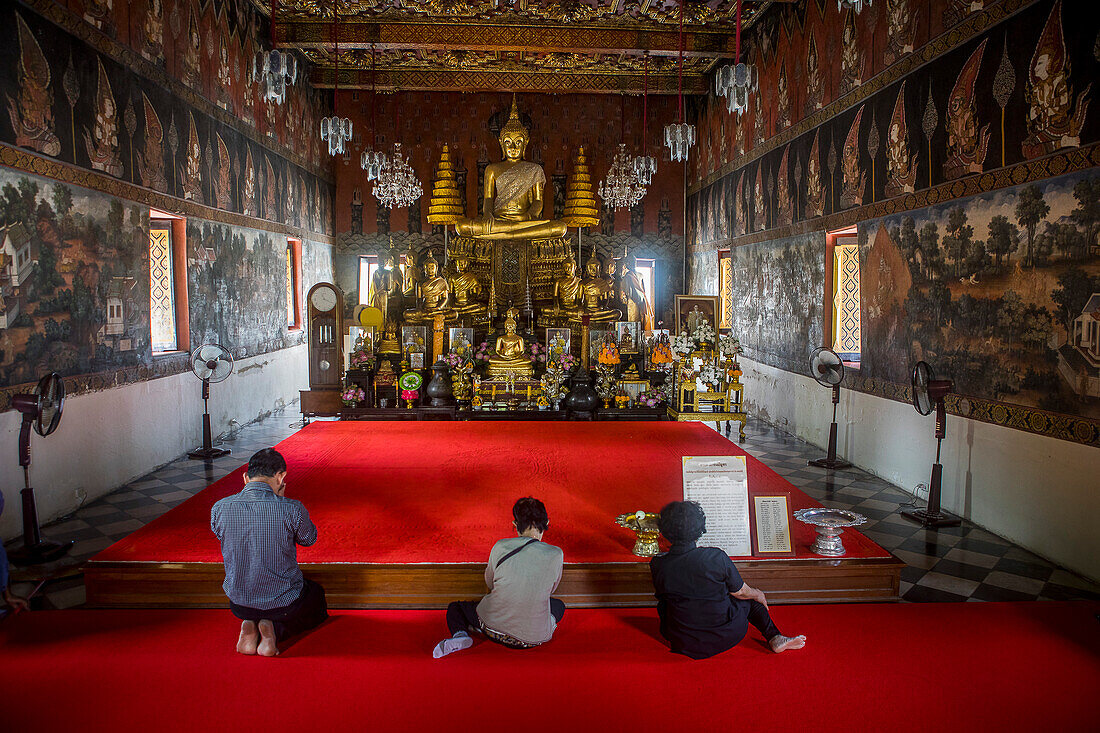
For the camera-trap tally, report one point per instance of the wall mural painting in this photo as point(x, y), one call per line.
point(1018, 90)
point(1000, 292)
point(74, 280)
point(777, 298)
point(67, 101)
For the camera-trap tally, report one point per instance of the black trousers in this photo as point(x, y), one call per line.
point(462, 615)
point(761, 619)
point(309, 611)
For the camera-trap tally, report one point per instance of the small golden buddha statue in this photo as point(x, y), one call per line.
point(466, 289)
point(385, 288)
point(510, 352)
point(434, 296)
point(596, 294)
point(567, 293)
point(513, 193)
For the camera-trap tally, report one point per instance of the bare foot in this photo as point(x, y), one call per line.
point(783, 643)
point(267, 647)
point(249, 638)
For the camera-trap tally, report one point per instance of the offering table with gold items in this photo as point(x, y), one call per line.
point(717, 407)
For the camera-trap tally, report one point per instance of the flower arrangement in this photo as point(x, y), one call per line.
point(353, 395)
point(609, 353)
point(566, 362)
point(651, 398)
point(483, 353)
point(552, 381)
point(711, 375)
point(704, 333)
point(361, 359)
point(605, 383)
point(453, 361)
point(536, 352)
point(730, 345)
point(683, 344)
point(410, 396)
point(662, 352)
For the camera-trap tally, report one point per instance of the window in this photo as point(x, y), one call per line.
point(162, 288)
point(647, 271)
point(367, 265)
point(725, 289)
point(847, 336)
point(293, 283)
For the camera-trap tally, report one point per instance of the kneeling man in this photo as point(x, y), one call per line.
point(259, 530)
point(522, 573)
point(705, 607)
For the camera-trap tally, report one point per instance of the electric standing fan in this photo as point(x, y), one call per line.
point(929, 393)
point(210, 363)
point(827, 368)
point(42, 409)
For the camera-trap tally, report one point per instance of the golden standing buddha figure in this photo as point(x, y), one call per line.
point(466, 289)
point(434, 297)
point(510, 352)
point(513, 193)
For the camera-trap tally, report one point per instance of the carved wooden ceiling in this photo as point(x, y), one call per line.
point(523, 45)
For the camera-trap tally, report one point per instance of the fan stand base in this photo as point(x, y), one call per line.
point(834, 464)
point(208, 454)
point(43, 552)
point(926, 518)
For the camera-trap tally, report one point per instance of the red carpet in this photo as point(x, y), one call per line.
point(442, 492)
point(897, 667)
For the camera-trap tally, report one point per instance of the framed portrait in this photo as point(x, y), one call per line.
point(414, 339)
point(627, 336)
point(461, 341)
point(691, 310)
point(558, 342)
point(416, 360)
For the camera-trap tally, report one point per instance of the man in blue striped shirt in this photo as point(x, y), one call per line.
point(260, 530)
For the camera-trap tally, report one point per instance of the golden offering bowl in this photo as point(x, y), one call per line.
point(645, 524)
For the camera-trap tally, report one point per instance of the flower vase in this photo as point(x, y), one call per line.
point(409, 404)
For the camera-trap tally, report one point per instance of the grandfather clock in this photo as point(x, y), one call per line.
point(325, 320)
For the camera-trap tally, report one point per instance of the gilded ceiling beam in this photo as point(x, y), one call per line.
point(358, 34)
point(521, 81)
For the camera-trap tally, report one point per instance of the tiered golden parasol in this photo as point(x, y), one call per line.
point(580, 196)
point(447, 205)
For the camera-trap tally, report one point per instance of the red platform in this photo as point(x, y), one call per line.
point(408, 498)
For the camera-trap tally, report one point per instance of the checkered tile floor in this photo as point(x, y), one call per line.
point(951, 564)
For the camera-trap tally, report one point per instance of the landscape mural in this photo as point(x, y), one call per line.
point(998, 292)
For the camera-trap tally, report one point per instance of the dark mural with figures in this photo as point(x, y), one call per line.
point(1018, 91)
point(777, 299)
point(64, 99)
point(999, 291)
point(74, 285)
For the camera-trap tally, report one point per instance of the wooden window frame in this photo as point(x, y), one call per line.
point(295, 248)
point(178, 226)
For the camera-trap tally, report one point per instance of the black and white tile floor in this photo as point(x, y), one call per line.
point(951, 564)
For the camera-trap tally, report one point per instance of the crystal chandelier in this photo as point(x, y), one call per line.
point(856, 5)
point(397, 185)
point(336, 130)
point(737, 82)
point(273, 70)
point(621, 189)
point(680, 136)
point(645, 165)
point(372, 160)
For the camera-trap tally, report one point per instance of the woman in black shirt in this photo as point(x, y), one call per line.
point(705, 607)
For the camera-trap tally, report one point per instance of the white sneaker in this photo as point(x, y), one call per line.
point(456, 643)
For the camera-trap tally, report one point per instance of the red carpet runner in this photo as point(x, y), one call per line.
point(898, 667)
point(442, 492)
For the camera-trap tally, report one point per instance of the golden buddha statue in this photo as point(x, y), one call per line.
point(412, 277)
point(385, 289)
point(513, 193)
point(433, 297)
point(596, 293)
point(510, 352)
point(466, 289)
point(567, 293)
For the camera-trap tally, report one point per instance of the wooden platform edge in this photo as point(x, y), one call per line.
point(593, 585)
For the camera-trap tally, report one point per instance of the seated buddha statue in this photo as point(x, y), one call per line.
point(513, 193)
point(510, 351)
point(567, 293)
point(596, 294)
point(466, 289)
point(434, 296)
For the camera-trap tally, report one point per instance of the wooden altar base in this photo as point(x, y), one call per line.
point(392, 585)
point(407, 511)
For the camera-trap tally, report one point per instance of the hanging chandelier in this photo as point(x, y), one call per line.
point(645, 165)
point(856, 5)
point(372, 160)
point(680, 136)
point(336, 130)
point(621, 189)
point(397, 185)
point(274, 70)
point(737, 82)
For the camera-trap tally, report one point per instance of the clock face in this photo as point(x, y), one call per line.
point(323, 299)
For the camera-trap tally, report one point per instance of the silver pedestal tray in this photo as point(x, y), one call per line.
point(830, 524)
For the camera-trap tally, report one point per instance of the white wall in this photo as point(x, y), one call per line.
point(1039, 492)
point(108, 438)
